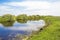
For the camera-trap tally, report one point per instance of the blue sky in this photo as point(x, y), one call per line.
point(30, 7)
point(2, 1)
point(26, 0)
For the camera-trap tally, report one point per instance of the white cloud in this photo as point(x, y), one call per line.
point(55, 8)
point(31, 7)
point(31, 4)
point(8, 10)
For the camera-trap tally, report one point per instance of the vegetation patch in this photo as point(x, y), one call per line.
point(51, 32)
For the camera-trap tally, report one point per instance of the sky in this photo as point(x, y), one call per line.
point(30, 7)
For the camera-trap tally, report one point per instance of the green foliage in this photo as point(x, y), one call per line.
point(22, 17)
point(0, 19)
point(7, 18)
point(34, 17)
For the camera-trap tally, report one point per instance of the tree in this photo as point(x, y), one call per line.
point(21, 17)
point(34, 17)
point(37, 17)
point(8, 18)
point(0, 19)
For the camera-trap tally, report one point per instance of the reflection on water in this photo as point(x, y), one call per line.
point(10, 30)
point(22, 21)
point(7, 24)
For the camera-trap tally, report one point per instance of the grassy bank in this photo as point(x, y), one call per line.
point(50, 32)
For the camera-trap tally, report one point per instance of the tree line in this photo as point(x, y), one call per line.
point(23, 17)
point(9, 19)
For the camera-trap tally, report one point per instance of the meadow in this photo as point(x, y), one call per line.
point(50, 31)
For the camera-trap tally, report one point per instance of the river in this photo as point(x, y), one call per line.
point(10, 32)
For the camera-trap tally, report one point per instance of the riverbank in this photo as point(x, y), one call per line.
point(51, 32)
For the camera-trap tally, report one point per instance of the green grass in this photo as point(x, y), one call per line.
point(50, 32)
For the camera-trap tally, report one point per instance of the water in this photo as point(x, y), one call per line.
point(9, 32)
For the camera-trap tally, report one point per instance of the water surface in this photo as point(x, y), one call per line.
point(7, 32)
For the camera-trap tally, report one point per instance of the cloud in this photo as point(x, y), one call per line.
point(31, 4)
point(31, 8)
point(10, 10)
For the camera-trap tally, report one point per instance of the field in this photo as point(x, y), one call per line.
point(50, 32)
